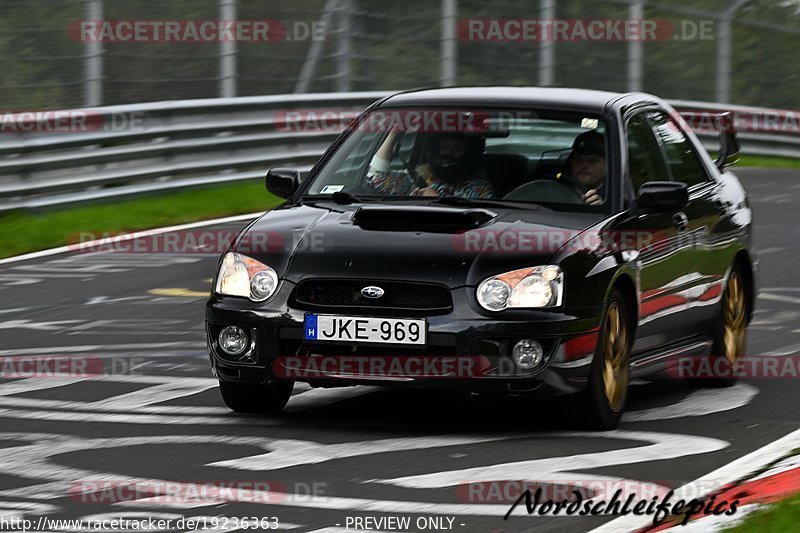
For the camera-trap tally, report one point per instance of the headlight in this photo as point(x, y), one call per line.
point(242, 276)
point(541, 286)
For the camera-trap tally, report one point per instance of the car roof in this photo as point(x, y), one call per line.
point(547, 97)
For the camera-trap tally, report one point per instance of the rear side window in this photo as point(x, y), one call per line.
point(681, 156)
point(645, 159)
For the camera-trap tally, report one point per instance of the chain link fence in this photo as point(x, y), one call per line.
point(738, 51)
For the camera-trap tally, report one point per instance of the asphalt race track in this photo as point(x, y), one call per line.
point(338, 454)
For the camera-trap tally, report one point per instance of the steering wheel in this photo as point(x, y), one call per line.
point(545, 191)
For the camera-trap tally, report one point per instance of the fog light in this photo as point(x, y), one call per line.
point(528, 354)
point(233, 340)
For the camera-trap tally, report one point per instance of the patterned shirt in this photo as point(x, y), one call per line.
point(401, 182)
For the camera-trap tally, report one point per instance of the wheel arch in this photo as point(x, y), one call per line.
point(627, 287)
point(744, 262)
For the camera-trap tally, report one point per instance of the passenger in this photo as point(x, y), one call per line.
point(453, 169)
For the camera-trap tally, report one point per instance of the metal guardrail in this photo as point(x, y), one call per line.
point(189, 143)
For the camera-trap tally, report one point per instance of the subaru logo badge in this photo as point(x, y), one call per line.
point(372, 292)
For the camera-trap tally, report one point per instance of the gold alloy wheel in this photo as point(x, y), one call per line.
point(734, 316)
point(615, 347)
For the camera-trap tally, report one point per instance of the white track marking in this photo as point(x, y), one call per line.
point(50, 350)
point(59, 478)
point(699, 403)
point(55, 325)
point(771, 250)
point(778, 298)
point(731, 472)
point(663, 446)
point(155, 394)
point(117, 409)
point(313, 396)
point(286, 453)
point(712, 524)
point(41, 404)
point(32, 384)
point(122, 238)
point(18, 510)
point(785, 465)
point(109, 418)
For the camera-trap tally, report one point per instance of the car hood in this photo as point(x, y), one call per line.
point(453, 246)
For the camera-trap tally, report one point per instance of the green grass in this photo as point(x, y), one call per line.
point(767, 162)
point(777, 518)
point(22, 232)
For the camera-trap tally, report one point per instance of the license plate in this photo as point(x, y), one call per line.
point(339, 328)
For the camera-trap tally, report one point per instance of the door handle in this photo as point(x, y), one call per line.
point(681, 222)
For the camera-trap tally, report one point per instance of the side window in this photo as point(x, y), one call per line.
point(681, 156)
point(645, 160)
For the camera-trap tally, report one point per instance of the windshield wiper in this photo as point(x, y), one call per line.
point(459, 200)
point(344, 197)
point(339, 197)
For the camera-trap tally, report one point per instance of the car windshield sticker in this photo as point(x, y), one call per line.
point(590, 123)
point(330, 189)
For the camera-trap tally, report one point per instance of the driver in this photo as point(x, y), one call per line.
point(453, 169)
point(586, 167)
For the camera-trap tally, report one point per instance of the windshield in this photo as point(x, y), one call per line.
point(558, 159)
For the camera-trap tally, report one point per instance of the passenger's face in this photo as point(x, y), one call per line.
point(452, 148)
point(589, 169)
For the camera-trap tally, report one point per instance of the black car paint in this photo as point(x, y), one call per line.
point(668, 310)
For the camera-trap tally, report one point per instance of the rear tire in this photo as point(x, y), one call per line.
point(256, 398)
point(603, 401)
point(729, 334)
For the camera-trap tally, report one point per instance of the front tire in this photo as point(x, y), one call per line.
point(603, 400)
point(256, 398)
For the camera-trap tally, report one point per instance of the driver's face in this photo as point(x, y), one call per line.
point(588, 169)
point(453, 148)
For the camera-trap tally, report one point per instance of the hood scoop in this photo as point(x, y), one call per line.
point(435, 219)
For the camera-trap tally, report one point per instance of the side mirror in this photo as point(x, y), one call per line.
point(282, 182)
point(728, 143)
point(663, 195)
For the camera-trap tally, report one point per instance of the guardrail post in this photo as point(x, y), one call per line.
point(93, 60)
point(635, 49)
point(315, 50)
point(724, 51)
point(547, 57)
point(449, 44)
point(344, 53)
point(227, 53)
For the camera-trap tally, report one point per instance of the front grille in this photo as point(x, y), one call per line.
point(398, 295)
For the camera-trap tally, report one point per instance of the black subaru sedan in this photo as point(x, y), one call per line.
point(512, 240)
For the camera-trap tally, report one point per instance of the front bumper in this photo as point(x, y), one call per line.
point(276, 328)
